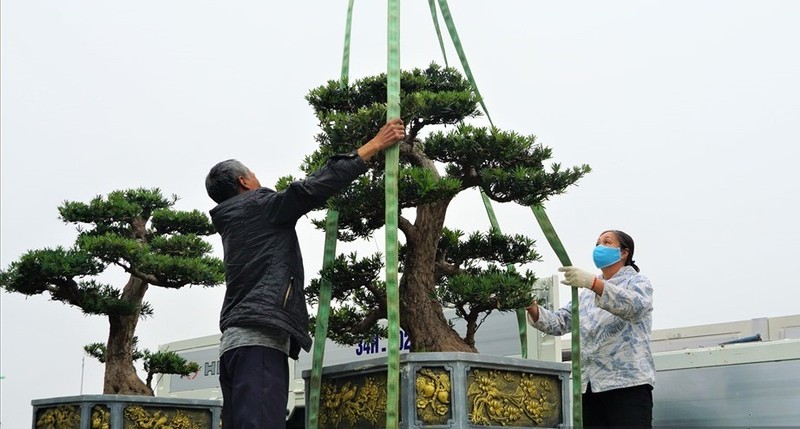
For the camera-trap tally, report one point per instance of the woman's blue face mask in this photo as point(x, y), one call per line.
point(605, 256)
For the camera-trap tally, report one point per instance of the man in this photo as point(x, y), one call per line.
point(264, 319)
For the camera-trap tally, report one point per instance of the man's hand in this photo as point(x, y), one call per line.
point(391, 133)
point(576, 277)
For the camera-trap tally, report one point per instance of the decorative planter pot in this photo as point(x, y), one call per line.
point(125, 412)
point(446, 390)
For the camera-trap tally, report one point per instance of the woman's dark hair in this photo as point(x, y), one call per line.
point(626, 242)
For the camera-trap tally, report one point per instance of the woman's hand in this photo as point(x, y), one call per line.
point(533, 311)
point(576, 277)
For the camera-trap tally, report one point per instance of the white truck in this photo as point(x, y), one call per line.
point(744, 373)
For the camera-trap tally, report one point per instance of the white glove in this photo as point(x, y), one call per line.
point(576, 277)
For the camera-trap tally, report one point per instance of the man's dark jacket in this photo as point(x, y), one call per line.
point(263, 263)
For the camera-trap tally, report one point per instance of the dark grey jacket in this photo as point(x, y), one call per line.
point(263, 262)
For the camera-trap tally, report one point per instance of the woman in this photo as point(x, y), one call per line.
point(617, 370)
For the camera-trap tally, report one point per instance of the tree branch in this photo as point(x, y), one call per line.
point(147, 278)
point(472, 326)
point(414, 129)
point(470, 177)
point(139, 226)
point(408, 228)
point(495, 197)
point(370, 319)
point(67, 290)
point(417, 157)
point(376, 292)
point(444, 268)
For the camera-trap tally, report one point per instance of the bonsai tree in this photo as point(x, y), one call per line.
point(475, 273)
point(138, 231)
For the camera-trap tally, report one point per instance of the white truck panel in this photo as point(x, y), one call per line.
point(738, 385)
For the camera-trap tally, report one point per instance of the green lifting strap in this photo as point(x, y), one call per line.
point(346, 53)
point(392, 213)
point(558, 248)
point(324, 305)
point(321, 328)
point(451, 28)
point(434, 15)
point(547, 229)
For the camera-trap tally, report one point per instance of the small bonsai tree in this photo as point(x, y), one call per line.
point(138, 231)
point(474, 273)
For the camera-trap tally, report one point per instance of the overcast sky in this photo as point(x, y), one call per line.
point(687, 111)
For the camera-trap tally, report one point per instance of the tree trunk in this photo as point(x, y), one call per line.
point(120, 374)
point(423, 318)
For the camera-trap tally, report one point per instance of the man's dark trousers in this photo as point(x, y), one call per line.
point(255, 388)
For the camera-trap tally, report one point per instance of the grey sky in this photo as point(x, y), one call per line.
point(686, 110)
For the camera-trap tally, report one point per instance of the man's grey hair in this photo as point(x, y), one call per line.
point(222, 181)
